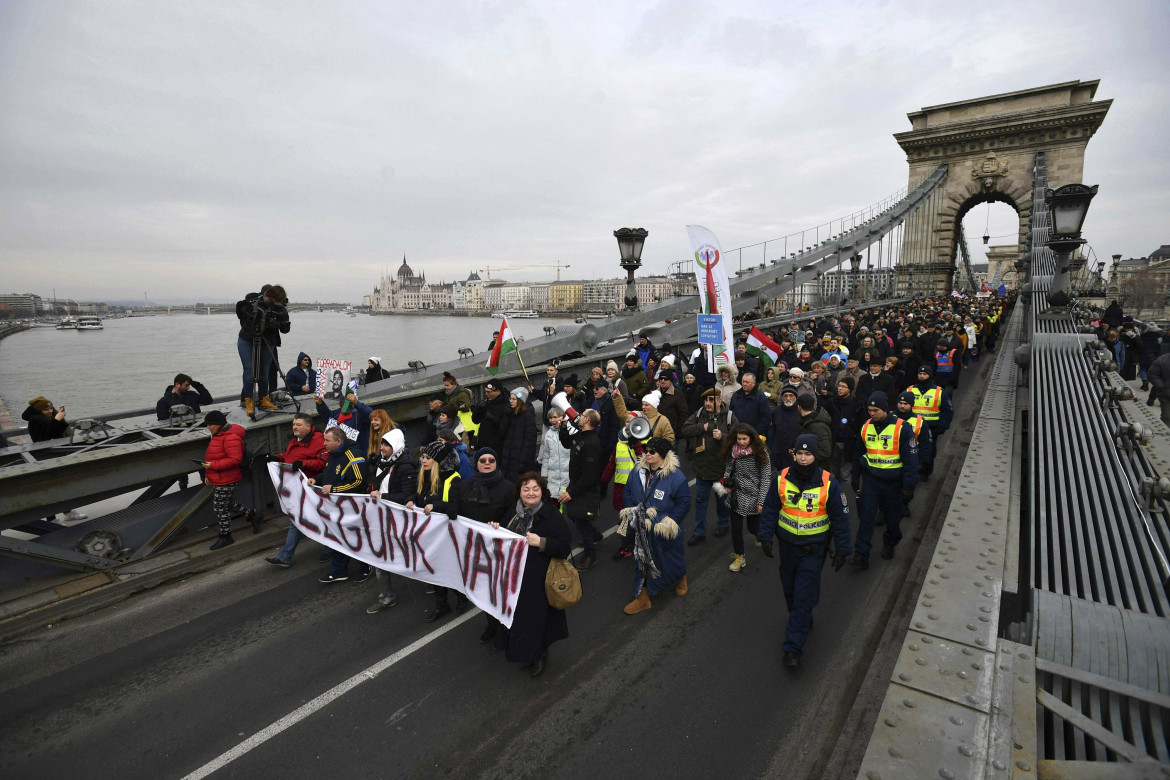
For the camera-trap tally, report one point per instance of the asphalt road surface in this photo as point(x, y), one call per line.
point(252, 671)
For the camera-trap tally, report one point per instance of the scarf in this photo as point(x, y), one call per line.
point(740, 452)
point(803, 474)
point(481, 485)
point(521, 522)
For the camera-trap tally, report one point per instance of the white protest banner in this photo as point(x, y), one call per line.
point(471, 557)
point(332, 374)
point(714, 291)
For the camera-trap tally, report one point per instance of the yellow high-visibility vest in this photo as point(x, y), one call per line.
point(882, 448)
point(928, 404)
point(805, 512)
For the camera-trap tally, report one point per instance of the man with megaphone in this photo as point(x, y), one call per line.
point(581, 499)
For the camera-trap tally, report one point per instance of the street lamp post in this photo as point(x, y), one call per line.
point(855, 266)
point(630, 241)
point(1068, 206)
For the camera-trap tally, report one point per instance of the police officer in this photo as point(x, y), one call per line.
point(803, 505)
point(921, 433)
point(934, 404)
point(886, 454)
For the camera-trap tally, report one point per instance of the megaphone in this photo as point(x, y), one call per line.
point(637, 428)
point(561, 401)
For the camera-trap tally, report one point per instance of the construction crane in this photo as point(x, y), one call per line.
point(557, 265)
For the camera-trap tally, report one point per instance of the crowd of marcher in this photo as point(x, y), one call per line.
point(775, 439)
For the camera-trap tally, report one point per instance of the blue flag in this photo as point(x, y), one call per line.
point(1001, 290)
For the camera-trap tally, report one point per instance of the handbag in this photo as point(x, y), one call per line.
point(562, 584)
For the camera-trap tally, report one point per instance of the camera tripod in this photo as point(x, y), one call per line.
point(258, 344)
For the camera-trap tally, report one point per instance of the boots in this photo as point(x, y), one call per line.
point(640, 604)
point(681, 588)
point(223, 541)
point(249, 409)
point(1145, 384)
point(266, 403)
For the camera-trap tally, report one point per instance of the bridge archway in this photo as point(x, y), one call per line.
point(989, 145)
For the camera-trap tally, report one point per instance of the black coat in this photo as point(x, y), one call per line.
point(673, 406)
point(585, 463)
point(194, 397)
point(867, 386)
point(400, 478)
point(517, 449)
point(42, 428)
point(501, 497)
point(490, 416)
point(536, 625)
point(610, 425)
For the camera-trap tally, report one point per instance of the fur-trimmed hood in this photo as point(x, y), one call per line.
point(670, 463)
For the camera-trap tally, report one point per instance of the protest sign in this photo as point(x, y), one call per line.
point(332, 376)
point(485, 563)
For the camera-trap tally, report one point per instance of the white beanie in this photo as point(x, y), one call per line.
point(376, 360)
point(652, 398)
point(797, 372)
point(667, 360)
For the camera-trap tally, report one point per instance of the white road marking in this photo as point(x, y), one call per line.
point(339, 690)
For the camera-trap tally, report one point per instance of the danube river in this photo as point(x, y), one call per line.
point(129, 363)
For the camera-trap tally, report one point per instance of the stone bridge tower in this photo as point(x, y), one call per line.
point(989, 145)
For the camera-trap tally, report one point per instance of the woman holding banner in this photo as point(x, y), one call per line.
point(536, 625)
point(438, 488)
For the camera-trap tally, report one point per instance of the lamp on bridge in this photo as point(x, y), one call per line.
point(854, 267)
point(630, 241)
point(1067, 206)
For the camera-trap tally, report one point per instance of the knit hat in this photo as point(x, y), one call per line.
point(659, 445)
point(437, 450)
point(793, 389)
point(906, 397)
point(667, 360)
point(633, 353)
point(925, 369)
point(521, 393)
point(806, 401)
point(447, 435)
point(377, 361)
point(652, 398)
point(571, 379)
point(479, 453)
point(493, 384)
point(215, 417)
point(798, 373)
point(610, 365)
point(879, 400)
point(40, 403)
point(806, 442)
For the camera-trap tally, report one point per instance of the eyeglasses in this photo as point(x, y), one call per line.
point(487, 460)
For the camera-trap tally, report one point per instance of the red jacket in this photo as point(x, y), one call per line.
point(311, 453)
point(225, 456)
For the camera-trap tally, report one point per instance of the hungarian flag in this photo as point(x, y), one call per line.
point(505, 343)
point(762, 347)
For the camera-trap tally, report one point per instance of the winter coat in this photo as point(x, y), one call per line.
point(42, 428)
point(296, 378)
point(501, 497)
point(356, 425)
point(613, 418)
point(637, 384)
point(458, 396)
point(706, 450)
point(660, 426)
point(345, 471)
point(518, 449)
point(395, 481)
point(194, 397)
point(1159, 374)
point(1148, 348)
point(225, 456)
point(311, 453)
point(753, 409)
point(667, 494)
point(727, 389)
point(837, 507)
point(674, 407)
point(693, 394)
point(771, 390)
point(645, 353)
point(536, 625)
point(818, 424)
point(844, 417)
point(785, 429)
point(554, 461)
point(747, 481)
point(585, 464)
point(490, 416)
point(275, 323)
point(868, 385)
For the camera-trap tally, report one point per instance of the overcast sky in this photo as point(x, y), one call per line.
point(197, 150)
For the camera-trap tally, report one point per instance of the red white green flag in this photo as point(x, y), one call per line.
point(762, 347)
point(505, 343)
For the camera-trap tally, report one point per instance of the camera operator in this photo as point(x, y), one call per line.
point(263, 317)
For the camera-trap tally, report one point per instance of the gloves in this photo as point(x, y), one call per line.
point(297, 464)
point(719, 488)
point(907, 495)
point(838, 559)
point(766, 546)
point(855, 483)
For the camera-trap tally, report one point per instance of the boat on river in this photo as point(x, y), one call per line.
point(516, 314)
point(67, 323)
point(89, 323)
